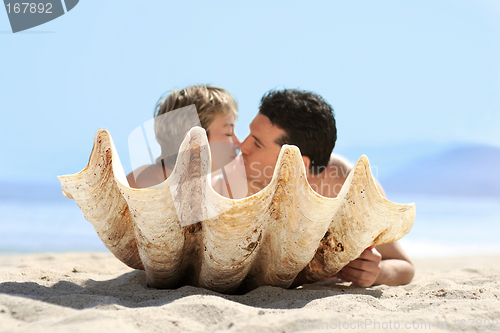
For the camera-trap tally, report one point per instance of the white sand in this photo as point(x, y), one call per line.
point(94, 292)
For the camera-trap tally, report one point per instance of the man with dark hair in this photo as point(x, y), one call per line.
point(299, 118)
point(306, 120)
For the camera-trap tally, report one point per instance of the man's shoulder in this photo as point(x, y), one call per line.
point(329, 182)
point(338, 167)
point(340, 160)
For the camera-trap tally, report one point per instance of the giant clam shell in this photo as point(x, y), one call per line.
point(283, 233)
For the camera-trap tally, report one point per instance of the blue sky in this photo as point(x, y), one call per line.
point(396, 73)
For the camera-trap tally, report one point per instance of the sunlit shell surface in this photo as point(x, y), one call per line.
point(284, 232)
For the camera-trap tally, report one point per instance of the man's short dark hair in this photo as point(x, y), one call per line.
point(308, 121)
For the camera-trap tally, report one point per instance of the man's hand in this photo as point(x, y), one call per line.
point(364, 270)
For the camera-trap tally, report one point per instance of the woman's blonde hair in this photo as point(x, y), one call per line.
point(210, 102)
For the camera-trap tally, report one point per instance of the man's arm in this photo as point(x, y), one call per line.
point(397, 267)
point(383, 264)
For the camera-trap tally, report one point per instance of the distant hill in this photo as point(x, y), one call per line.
point(472, 170)
point(387, 159)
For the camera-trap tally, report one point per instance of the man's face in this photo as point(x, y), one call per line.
point(260, 151)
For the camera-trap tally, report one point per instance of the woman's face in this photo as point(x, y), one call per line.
point(223, 142)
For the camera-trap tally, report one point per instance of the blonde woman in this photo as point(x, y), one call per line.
point(217, 112)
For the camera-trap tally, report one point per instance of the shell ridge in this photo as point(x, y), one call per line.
point(295, 235)
point(364, 216)
point(167, 215)
point(95, 191)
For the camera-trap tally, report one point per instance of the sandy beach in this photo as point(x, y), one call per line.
point(94, 292)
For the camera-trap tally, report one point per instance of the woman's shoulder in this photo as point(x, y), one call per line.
point(147, 176)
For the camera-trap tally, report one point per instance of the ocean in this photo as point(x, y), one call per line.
point(444, 226)
point(451, 226)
